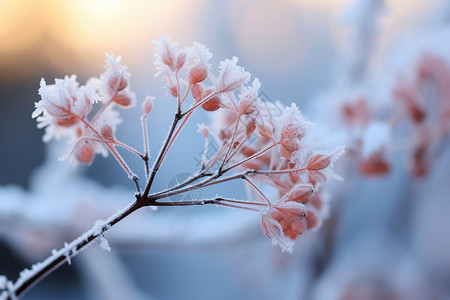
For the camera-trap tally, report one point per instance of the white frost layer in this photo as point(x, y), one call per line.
point(376, 137)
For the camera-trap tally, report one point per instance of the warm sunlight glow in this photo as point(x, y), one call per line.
point(21, 25)
point(60, 32)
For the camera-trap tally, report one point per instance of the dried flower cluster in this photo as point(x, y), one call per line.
point(262, 142)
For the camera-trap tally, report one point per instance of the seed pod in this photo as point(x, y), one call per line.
point(266, 130)
point(197, 91)
point(85, 153)
point(213, 104)
point(173, 90)
point(122, 99)
point(117, 82)
point(181, 59)
point(246, 106)
point(197, 74)
point(107, 132)
point(147, 105)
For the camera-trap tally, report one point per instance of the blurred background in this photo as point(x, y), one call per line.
point(386, 238)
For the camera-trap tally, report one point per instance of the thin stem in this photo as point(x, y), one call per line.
point(22, 285)
point(188, 181)
point(205, 153)
point(178, 93)
point(119, 158)
point(236, 150)
point(216, 201)
point(116, 155)
point(88, 124)
point(176, 134)
point(103, 108)
point(152, 198)
point(257, 189)
point(159, 159)
point(185, 94)
point(131, 149)
point(146, 146)
point(231, 144)
point(213, 160)
point(284, 171)
point(251, 157)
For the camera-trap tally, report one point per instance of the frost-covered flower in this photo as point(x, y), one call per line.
point(167, 57)
point(62, 106)
point(231, 76)
point(113, 83)
point(116, 76)
point(63, 100)
point(198, 54)
point(248, 98)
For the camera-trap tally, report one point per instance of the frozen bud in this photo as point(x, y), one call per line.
point(168, 58)
point(85, 153)
point(300, 193)
point(231, 76)
point(291, 211)
point(197, 91)
point(277, 228)
point(266, 130)
point(173, 90)
point(270, 227)
point(246, 106)
point(107, 132)
point(123, 99)
point(291, 135)
point(116, 75)
point(251, 126)
point(213, 104)
point(322, 161)
point(181, 59)
point(117, 82)
point(197, 74)
point(318, 162)
point(147, 105)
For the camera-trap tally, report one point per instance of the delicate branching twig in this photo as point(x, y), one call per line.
point(67, 105)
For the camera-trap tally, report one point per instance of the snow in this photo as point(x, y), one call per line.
point(104, 244)
point(376, 137)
